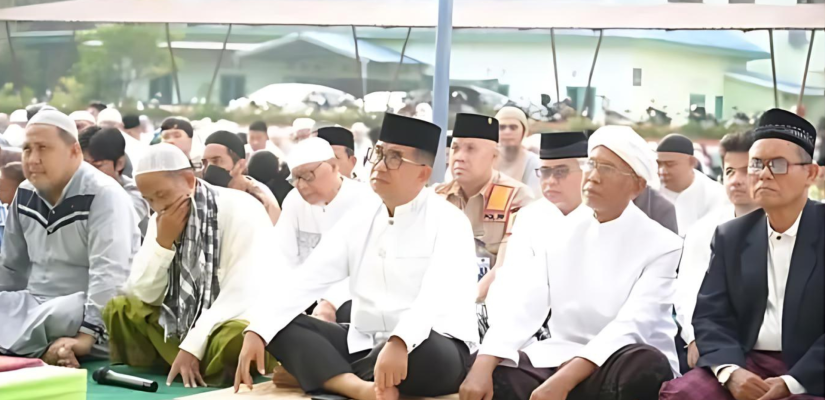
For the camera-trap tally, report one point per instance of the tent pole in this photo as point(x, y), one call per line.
point(805, 74)
point(586, 106)
point(174, 66)
point(397, 70)
point(555, 64)
point(218, 65)
point(441, 84)
point(359, 68)
point(18, 85)
point(773, 70)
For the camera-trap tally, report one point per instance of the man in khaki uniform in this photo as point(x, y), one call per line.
point(489, 198)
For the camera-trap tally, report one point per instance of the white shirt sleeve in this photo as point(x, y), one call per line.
point(451, 277)
point(692, 270)
point(793, 385)
point(285, 229)
point(245, 238)
point(149, 276)
point(644, 313)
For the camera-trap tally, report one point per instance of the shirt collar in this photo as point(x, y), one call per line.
point(404, 211)
point(790, 232)
point(66, 188)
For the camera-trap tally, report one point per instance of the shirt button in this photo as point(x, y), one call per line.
point(392, 222)
point(779, 238)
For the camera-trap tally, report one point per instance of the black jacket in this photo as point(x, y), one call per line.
point(734, 295)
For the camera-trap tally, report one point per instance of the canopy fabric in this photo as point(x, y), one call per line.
point(520, 14)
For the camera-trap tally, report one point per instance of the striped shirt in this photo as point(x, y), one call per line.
point(85, 243)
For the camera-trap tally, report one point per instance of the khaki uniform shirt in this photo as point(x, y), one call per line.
point(492, 211)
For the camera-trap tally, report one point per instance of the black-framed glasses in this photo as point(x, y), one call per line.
point(392, 159)
point(605, 170)
point(558, 173)
point(307, 177)
point(777, 166)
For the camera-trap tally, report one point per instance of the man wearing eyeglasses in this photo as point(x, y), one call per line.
point(608, 273)
point(696, 256)
point(488, 198)
point(411, 262)
point(760, 315)
point(321, 199)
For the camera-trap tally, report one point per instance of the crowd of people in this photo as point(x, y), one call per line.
point(597, 268)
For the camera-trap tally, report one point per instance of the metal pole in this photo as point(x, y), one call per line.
point(397, 69)
point(218, 65)
point(441, 83)
point(773, 69)
point(555, 64)
point(586, 104)
point(805, 74)
point(358, 67)
point(18, 84)
point(174, 66)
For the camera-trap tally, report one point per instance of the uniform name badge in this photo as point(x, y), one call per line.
point(483, 266)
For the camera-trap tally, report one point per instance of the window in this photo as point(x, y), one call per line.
point(720, 110)
point(697, 100)
point(232, 87)
point(161, 89)
point(637, 77)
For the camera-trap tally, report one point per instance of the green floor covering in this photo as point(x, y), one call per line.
point(104, 392)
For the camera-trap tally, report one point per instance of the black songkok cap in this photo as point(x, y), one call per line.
point(675, 143)
point(229, 140)
point(475, 126)
point(177, 123)
point(781, 124)
point(411, 132)
point(131, 121)
point(106, 144)
point(337, 136)
point(561, 145)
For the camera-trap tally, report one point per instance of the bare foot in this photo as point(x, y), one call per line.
point(66, 358)
point(390, 393)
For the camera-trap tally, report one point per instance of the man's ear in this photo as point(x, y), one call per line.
point(120, 164)
point(813, 173)
point(425, 174)
point(239, 168)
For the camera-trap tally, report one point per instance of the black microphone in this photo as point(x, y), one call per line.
point(105, 376)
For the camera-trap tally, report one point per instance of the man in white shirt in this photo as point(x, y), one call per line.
point(760, 315)
point(224, 162)
point(190, 287)
point(608, 273)
point(411, 262)
point(696, 255)
point(111, 118)
point(343, 145)
point(321, 199)
point(693, 194)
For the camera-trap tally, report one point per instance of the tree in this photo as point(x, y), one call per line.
point(113, 56)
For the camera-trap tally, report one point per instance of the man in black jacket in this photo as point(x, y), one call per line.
point(760, 314)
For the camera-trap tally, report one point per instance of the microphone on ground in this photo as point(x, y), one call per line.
point(105, 376)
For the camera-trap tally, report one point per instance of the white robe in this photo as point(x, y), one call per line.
point(704, 196)
point(609, 285)
point(409, 274)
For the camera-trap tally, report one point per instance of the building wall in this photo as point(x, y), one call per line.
point(751, 99)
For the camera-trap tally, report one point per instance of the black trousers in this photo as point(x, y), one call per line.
point(342, 315)
point(634, 372)
point(314, 351)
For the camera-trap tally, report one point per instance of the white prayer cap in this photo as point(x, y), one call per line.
point(303, 123)
point(52, 117)
point(19, 117)
point(309, 150)
point(110, 115)
point(631, 148)
point(162, 157)
point(82, 115)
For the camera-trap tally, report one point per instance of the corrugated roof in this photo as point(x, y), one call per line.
point(340, 44)
point(726, 40)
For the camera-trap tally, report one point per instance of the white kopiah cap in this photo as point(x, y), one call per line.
point(303, 123)
point(630, 147)
point(82, 115)
point(309, 151)
point(162, 157)
point(50, 116)
point(19, 117)
point(110, 115)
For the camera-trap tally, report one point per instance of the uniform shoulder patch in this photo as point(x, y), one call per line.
point(499, 200)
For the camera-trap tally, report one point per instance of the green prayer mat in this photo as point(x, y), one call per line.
point(104, 392)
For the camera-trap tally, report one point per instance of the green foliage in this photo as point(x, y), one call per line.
point(126, 53)
point(10, 100)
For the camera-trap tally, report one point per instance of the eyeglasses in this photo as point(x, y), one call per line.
point(777, 166)
point(307, 177)
point(392, 159)
point(605, 170)
point(558, 173)
point(512, 127)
